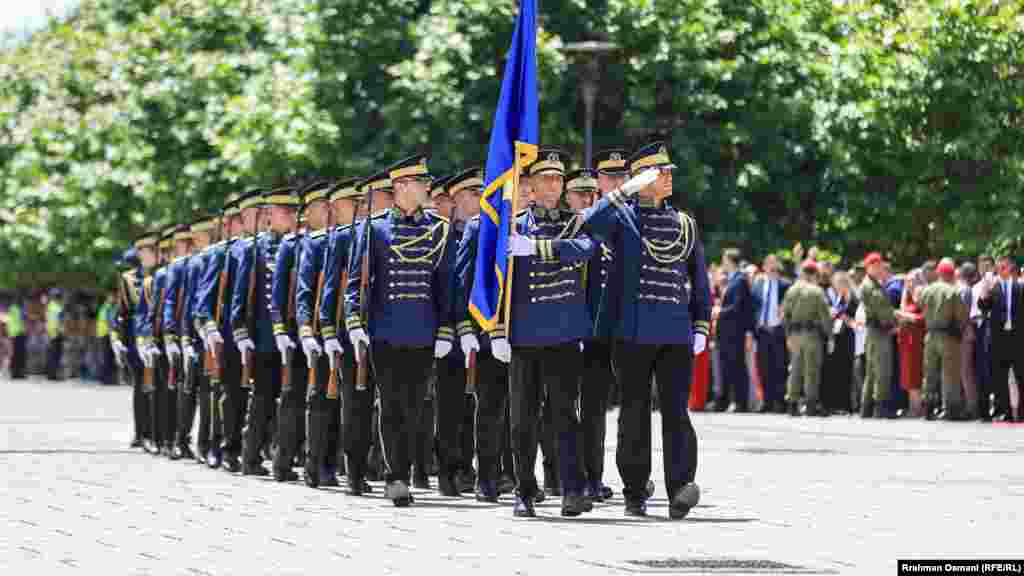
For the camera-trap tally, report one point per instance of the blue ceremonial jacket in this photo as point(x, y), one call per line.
point(219, 259)
point(337, 250)
point(288, 254)
point(549, 302)
point(409, 283)
point(312, 248)
point(177, 281)
point(736, 317)
point(657, 290)
point(257, 259)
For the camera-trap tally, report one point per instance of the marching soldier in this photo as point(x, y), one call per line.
point(123, 339)
point(549, 319)
point(175, 331)
point(658, 301)
point(193, 351)
point(945, 315)
point(878, 346)
point(251, 320)
point(284, 314)
point(145, 332)
point(598, 378)
point(215, 315)
point(808, 324)
point(405, 297)
point(326, 284)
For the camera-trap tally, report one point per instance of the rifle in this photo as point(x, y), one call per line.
point(250, 317)
point(158, 332)
point(339, 310)
point(289, 321)
point(311, 378)
point(363, 354)
point(213, 356)
point(172, 374)
point(148, 372)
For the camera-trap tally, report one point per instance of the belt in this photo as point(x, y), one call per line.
point(805, 327)
point(947, 329)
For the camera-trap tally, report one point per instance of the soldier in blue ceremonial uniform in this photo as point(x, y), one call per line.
point(123, 338)
point(215, 314)
point(148, 340)
point(174, 330)
point(596, 377)
point(203, 234)
point(549, 320)
point(327, 292)
point(284, 314)
point(658, 304)
point(408, 310)
point(251, 320)
point(148, 247)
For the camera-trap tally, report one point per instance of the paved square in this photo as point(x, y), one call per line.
point(779, 495)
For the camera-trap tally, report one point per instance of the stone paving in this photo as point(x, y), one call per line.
point(780, 495)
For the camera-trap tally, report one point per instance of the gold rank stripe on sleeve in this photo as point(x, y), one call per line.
point(445, 333)
point(465, 327)
point(353, 322)
point(702, 327)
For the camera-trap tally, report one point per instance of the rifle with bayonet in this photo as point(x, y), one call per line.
point(363, 354)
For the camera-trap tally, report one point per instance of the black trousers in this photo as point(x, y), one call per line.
point(547, 437)
point(507, 460)
point(54, 352)
point(534, 370)
point(670, 365)
point(402, 378)
point(324, 414)
point(291, 406)
point(108, 366)
point(266, 384)
point(140, 402)
point(233, 400)
point(18, 357)
point(595, 384)
point(771, 362)
point(159, 409)
point(491, 415)
point(467, 431)
point(1006, 350)
point(735, 378)
point(188, 385)
point(450, 399)
point(356, 418)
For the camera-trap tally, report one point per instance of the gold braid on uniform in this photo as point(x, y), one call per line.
point(666, 252)
point(429, 256)
point(545, 248)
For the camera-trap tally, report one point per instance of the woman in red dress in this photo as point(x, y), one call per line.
point(911, 340)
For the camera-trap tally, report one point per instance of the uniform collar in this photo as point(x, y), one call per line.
point(549, 214)
point(418, 216)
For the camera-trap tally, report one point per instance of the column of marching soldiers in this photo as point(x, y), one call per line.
point(308, 347)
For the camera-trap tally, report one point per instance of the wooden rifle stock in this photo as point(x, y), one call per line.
point(471, 372)
point(250, 318)
point(289, 321)
point(213, 357)
point(363, 356)
point(332, 381)
point(311, 377)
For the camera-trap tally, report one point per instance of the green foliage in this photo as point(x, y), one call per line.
point(856, 125)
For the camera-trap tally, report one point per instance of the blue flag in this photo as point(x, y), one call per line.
point(514, 138)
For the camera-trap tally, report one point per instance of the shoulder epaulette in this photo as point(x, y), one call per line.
point(476, 217)
point(318, 234)
point(381, 214)
point(438, 216)
point(291, 236)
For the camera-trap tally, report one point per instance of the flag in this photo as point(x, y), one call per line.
point(514, 133)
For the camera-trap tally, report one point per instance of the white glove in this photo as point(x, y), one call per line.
point(331, 347)
point(173, 351)
point(213, 339)
point(356, 336)
point(153, 352)
point(147, 360)
point(284, 343)
point(190, 352)
point(244, 345)
point(120, 352)
point(442, 348)
point(700, 342)
point(581, 345)
point(469, 343)
point(501, 351)
point(639, 182)
point(521, 246)
point(311, 348)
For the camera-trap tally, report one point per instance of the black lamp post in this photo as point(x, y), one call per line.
point(589, 55)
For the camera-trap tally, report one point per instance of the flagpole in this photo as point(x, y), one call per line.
point(513, 230)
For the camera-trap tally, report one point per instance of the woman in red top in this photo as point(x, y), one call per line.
point(911, 340)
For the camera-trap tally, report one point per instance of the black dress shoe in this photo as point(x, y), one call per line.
point(254, 469)
point(764, 408)
point(184, 451)
point(176, 453)
point(553, 491)
point(573, 506)
point(487, 492)
point(167, 452)
point(636, 508)
point(506, 484)
point(779, 407)
point(421, 482)
point(329, 477)
point(540, 497)
point(811, 409)
point(446, 486)
point(715, 406)
point(524, 508)
point(736, 408)
point(285, 475)
point(793, 409)
point(684, 499)
point(214, 458)
point(465, 481)
point(232, 464)
point(1002, 417)
point(136, 443)
point(150, 447)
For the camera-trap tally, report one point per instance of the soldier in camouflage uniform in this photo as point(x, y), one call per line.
point(945, 315)
point(878, 345)
point(808, 324)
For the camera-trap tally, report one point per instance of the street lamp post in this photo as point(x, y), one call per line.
point(589, 55)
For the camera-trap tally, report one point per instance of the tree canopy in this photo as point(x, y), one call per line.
point(852, 124)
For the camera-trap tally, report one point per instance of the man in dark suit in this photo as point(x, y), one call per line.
point(735, 335)
point(771, 337)
point(1005, 303)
